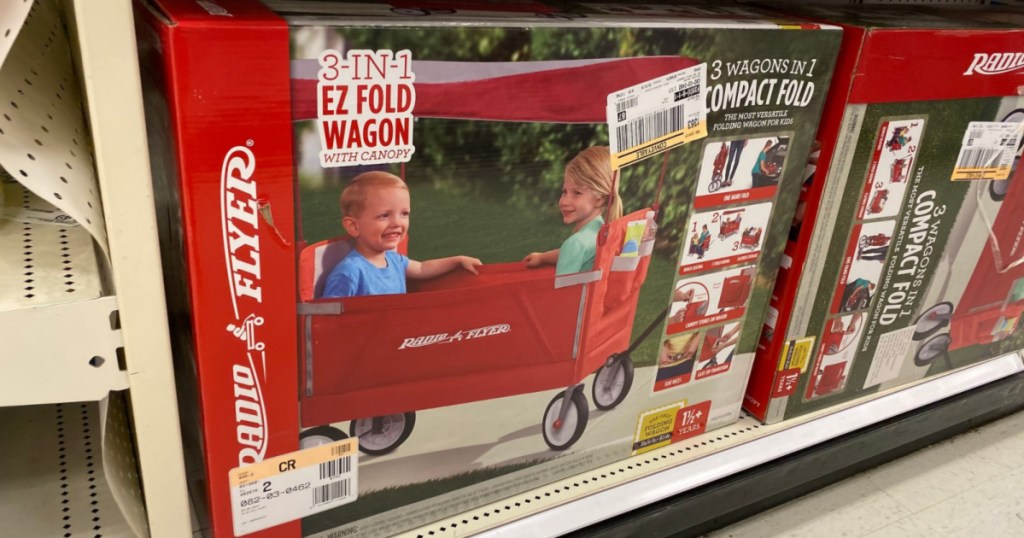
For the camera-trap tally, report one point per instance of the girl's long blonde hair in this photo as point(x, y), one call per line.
point(592, 168)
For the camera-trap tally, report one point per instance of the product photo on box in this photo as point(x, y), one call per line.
point(424, 259)
point(910, 214)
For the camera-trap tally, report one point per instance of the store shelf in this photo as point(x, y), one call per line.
point(57, 479)
point(105, 33)
point(82, 312)
point(640, 481)
point(55, 336)
point(60, 334)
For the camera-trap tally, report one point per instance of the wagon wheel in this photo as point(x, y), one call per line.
point(716, 183)
point(380, 435)
point(933, 348)
point(933, 319)
point(612, 381)
point(560, 435)
point(997, 189)
point(320, 435)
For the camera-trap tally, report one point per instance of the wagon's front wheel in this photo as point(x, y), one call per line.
point(381, 435)
point(612, 382)
point(320, 435)
point(561, 434)
point(935, 347)
point(932, 320)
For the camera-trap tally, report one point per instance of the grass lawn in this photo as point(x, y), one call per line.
point(488, 227)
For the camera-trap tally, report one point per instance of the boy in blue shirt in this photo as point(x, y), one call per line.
point(375, 208)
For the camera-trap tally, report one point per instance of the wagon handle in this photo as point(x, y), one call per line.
point(602, 236)
point(661, 181)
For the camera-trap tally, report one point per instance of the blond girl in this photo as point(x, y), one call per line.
point(587, 193)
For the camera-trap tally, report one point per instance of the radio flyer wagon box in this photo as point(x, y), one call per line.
point(912, 215)
point(433, 254)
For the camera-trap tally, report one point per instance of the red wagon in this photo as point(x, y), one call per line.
point(876, 240)
point(736, 289)
point(830, 379)
point(898, 170)
point(877, 204)
point(510, 330)
point(992, 302)
point(730, 224)
point(751, 238)
point(718, 168)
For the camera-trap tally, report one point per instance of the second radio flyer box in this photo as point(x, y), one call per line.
point(905, 260)
point(434, 255)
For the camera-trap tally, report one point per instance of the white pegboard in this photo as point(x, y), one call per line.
point(43, 140)
point(45, 256)
point(60, 335)
point(12, 18)
point(119, 465)
point(53, 475)
point(63, 352)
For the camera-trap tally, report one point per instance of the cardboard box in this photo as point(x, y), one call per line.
point(470, 387)
point(904, 264)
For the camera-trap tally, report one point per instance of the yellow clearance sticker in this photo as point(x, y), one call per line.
point(796, 354)
point(659, 145)
point(988, 151)
point(293, 461)
point(654, 428)
point(654, 116)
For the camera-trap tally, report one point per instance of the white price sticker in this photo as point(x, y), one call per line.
point(656, 115)
point(988, 150)
point(293, 486)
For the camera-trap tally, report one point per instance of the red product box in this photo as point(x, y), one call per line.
point(903, 186)
point(600, 195)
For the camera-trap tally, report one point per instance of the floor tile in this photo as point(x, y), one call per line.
point(968, 486)
point(850, 508)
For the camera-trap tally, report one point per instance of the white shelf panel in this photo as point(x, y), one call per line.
point(60, 338)
point(615, 489)
point(64, 352)
point(46, 257)
point(105, 33)
point(54, 478)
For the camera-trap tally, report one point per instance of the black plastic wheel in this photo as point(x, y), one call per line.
point(932, 320)
point(320, 435)
point(381, 435)
point(612, 382)
point(560, 436)
point(997, 189)
point(933, 348)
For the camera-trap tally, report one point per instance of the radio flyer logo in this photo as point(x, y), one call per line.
point(240, 233)
point(447, 338)
point(995, 63)
point(364, 107)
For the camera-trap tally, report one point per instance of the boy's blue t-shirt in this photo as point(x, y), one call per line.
point(579, 250)
point(355, 276)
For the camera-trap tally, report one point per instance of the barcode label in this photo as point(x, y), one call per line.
point(331, 492)
point(279, 489)
point(655, 125)
point(335, 468)
point(977, 157)
point(662, 113)
point(988, 150)
point(626, 105)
